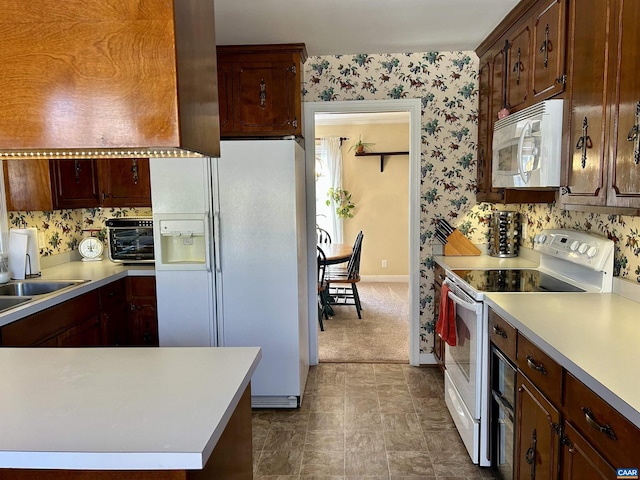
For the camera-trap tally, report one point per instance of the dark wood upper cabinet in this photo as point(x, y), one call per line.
point(104, 74)
point(519, 66)
point(260, 89)
point(589, 44)
point(602, 167)
point(624, 161)
point(124, 182)
point(548, 48)
point(75, 183)
point(506, 78)
point(27, 184)
point(43, 185)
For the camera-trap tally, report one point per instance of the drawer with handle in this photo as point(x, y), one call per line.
point(617, 439)
point(502, 335)
point(540, 368)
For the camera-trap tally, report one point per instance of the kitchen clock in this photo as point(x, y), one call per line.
point(91, 249)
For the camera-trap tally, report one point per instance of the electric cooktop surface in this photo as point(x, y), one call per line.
point(525, 280)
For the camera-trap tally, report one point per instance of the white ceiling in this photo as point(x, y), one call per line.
point(330, 27)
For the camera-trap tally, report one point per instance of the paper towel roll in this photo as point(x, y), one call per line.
point(17, 254)
point(32, 262)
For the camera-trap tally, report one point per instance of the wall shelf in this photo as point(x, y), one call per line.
point(381, 155)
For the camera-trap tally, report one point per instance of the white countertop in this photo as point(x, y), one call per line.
point(595, 336)
point(118, 408)
point(95, 275)
point(485, 261)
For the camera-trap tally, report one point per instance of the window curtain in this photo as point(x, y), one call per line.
point(333, 161)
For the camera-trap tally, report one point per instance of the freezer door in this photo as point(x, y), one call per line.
point(185, 308)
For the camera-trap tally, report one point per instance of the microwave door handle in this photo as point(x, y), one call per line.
point(524, 174)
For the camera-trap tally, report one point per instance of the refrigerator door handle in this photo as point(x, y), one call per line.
point(216, 241)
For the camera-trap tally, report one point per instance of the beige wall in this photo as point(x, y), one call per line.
point(381, 199)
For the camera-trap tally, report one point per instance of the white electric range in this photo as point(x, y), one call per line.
point(570, 261)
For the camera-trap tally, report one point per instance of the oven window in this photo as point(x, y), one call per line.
point(461, 353)
point(132, 243)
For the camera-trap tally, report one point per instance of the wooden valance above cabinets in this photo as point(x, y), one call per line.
point(260, 90)
point(123, 78)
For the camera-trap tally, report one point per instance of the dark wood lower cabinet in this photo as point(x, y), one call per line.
point(84, 334)
point(580, 461)
point(122, 313)
point(143, 314)
point(66, 324)
point(537, 434)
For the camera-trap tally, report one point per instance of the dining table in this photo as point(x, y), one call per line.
point(336, 252)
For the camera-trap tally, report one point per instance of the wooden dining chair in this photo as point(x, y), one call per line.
point(342, 280)
point(323, 235)
point(323, 289)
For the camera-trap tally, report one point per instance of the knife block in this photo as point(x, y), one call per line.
point(459, 245)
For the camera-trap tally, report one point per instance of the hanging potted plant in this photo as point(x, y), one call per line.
point(360, 146)
point(342, 200)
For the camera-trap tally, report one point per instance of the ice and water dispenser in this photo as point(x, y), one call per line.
point(183, 243)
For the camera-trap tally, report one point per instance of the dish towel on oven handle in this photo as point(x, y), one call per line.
point(446, 324)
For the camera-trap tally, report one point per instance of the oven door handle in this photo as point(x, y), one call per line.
point(473, 306)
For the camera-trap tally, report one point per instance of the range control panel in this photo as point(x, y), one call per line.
point(588, 250)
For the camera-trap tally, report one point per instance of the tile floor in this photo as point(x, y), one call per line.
point(363, 421)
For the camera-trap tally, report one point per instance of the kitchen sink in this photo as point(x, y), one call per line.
point(30, 288)
point(7, 303)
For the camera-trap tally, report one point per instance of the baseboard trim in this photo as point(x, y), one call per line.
point(428, 359)
point(385, 278)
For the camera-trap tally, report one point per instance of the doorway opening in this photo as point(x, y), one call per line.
point(411, 110)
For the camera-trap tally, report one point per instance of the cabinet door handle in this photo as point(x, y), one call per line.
point(564, 440)
point(606, 429)
point(632, 136)
point(530, 456)
point(500, 332)
point(518, 67)
point(546, 46)
point(584, 141)
point(538, 367)
point(78, 168)
point(134, 171)
point(263, 93)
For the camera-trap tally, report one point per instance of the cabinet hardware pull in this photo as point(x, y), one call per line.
point(606, 429)
point(530, 456)
point(263, 93)
point(134, 171)
point(565, 441)
point(500, 332)
point(518, 67)
point(632, 136)
point(534, 366)
point(78, 169)
point(584, 141)
point(546, 46)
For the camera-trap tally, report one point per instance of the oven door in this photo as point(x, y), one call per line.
point(462, 362)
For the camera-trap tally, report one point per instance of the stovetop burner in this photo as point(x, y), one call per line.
point(524, 280)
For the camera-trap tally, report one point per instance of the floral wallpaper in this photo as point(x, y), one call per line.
point(63, 229)
point(446, 83)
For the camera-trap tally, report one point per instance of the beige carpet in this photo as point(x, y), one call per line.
point(382, 335)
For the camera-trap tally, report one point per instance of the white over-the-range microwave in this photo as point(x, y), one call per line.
point(527, 147)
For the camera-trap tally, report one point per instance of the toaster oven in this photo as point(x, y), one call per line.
point(130, 239)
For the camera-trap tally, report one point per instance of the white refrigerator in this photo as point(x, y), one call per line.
point(230, 251)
